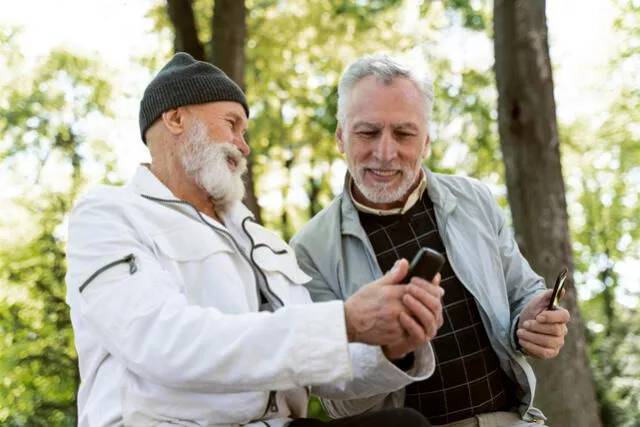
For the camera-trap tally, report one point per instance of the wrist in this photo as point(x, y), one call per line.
point(348, 323)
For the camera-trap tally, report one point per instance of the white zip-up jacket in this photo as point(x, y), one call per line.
point(166, 313)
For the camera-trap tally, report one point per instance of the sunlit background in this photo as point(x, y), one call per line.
point(594, 46)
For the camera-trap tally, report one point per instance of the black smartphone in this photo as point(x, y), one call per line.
point(425, 264)
point(555, 295)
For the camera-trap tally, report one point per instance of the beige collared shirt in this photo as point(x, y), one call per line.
point(411, 200)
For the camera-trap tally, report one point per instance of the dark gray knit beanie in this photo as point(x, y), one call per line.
point(185, 81)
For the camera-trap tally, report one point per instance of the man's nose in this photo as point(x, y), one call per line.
point(386, 149)
point(242, 145)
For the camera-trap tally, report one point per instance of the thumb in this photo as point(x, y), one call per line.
point(396, 274)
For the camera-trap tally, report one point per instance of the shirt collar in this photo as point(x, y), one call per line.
point(415, 195)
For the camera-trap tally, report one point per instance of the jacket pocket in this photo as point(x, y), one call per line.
point(283, 263)
point(191, 243)
point(129, 259)
point(207, 268)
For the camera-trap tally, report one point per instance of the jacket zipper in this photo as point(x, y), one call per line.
point(129, 259)
point(253, 262)
point(272, 405)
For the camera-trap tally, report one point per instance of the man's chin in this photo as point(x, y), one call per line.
point(231, 195)
point(389, 194)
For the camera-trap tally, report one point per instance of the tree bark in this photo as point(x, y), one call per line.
point(186, 34)
point(229, 29)
point(530, 146)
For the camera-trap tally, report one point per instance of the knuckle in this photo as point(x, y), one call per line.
point(389, 295)
point(393, 311)
point(387, 313)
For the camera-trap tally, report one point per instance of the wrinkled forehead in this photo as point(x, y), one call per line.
point(374, 98)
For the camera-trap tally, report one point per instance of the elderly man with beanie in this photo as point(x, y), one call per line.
point(187, 312)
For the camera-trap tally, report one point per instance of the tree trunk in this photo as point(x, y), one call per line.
point(530, 146)
point(227, 52)
point(229, 29)
point(186, 34)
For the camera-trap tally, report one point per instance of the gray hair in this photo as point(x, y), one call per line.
point(385, 68)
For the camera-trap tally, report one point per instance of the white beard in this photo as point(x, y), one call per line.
point(380, 192)
point(206, 162)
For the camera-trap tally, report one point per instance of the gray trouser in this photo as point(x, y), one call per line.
point(494, 419)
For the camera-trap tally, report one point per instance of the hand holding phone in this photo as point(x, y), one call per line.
point(425, 264)
point(557, 288)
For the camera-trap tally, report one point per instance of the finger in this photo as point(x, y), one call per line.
point(553, 329)
point(562, 292)
point(396, 274)
point(436, 279)
point(423, 315)
point(542, 299)
point(416, 335)
point(434, 290)
point(541, 340)
point(418, 281)
point(559, 315)
point(430, 298)
point(540, 352)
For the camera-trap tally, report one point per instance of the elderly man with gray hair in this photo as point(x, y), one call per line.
point(494, 305)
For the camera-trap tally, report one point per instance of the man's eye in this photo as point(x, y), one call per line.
point(368, 134)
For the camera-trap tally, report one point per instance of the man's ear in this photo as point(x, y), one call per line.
point(425, 151)
point(339, 139)
point(174, 121)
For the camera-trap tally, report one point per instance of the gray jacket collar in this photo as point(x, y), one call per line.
point(439, 194)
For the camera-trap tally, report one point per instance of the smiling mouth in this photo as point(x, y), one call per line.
point(232, 163)
point(383, 173)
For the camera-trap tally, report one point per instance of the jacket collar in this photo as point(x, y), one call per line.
point(439, 194)
point(413, 198)
point(146, 184)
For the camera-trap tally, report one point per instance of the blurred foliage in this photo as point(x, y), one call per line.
point(295, 52)
point(37, 355)
point(44, 115)
point(605, 187)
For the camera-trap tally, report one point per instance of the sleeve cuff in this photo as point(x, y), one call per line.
point(513, 336)
point(405, 363)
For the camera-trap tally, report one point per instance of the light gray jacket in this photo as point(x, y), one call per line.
point(334, 250)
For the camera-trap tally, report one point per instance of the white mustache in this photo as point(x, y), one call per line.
point(235, 155)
